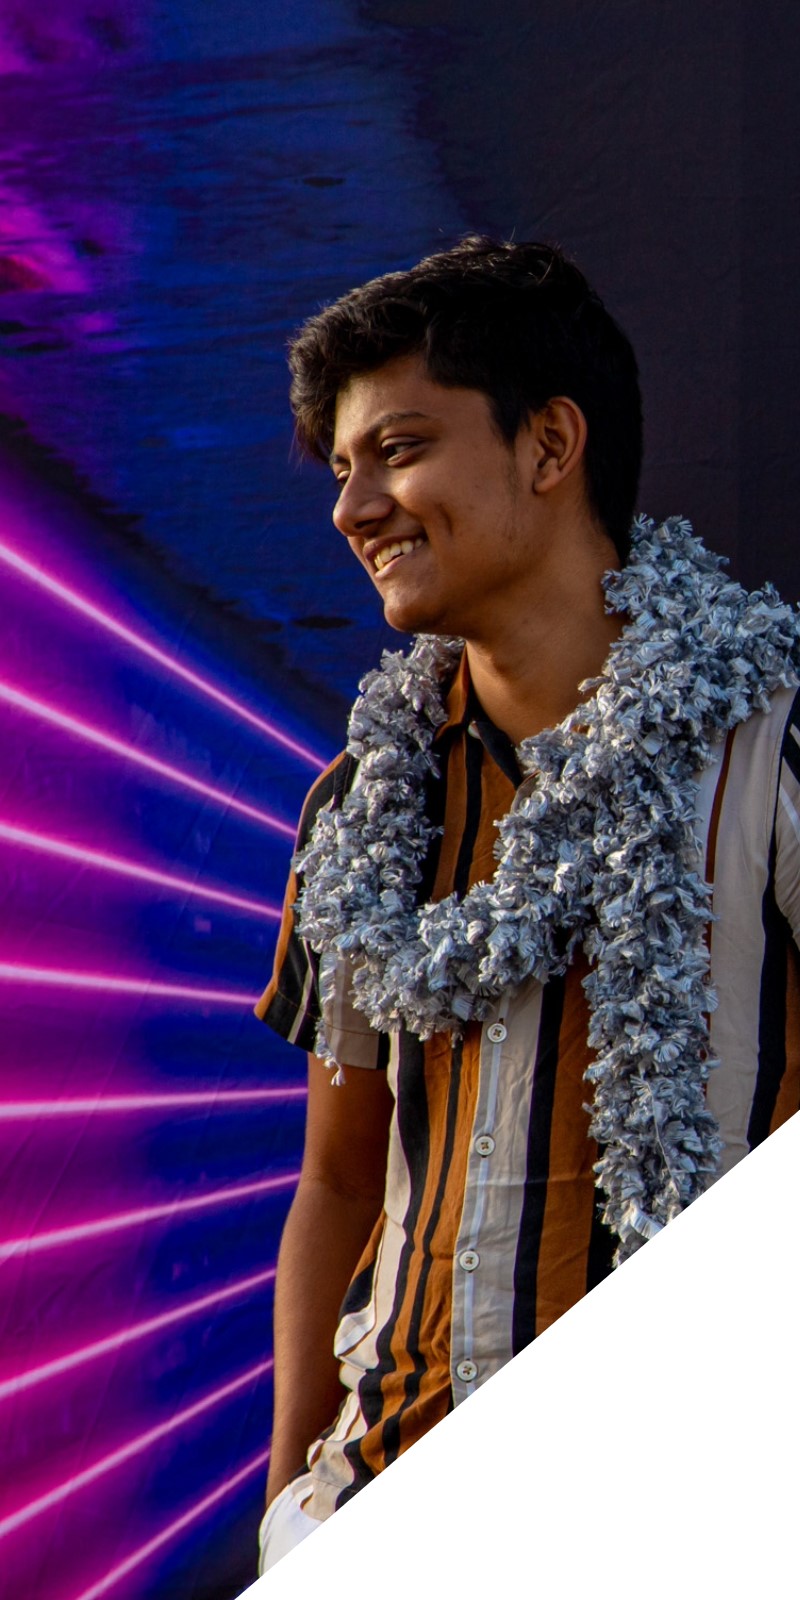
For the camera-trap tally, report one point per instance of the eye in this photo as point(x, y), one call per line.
point(390, 449)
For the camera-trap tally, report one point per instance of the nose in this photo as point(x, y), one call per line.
point(362, 507)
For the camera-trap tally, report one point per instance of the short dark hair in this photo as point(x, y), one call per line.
point(518, 322)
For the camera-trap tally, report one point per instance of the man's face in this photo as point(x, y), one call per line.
point(436, 506)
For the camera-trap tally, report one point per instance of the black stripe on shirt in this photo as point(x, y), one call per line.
point(791, 750)
point(498, 744)
point(414, 1135)
point(391, 1431)
point(294, 1010)
point(774, 973)
point(473, 762)
point(283, 1013)
point(327, 788)
point(435, 804)
point(602, 1244)
point(358, 1294)
point(771, 1012)
point(526, 1266)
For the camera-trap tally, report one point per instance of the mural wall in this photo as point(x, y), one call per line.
point(179, 186)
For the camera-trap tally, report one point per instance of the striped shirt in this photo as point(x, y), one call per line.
point(490, 1228)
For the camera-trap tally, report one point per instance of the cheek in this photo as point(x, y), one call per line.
point(482, 492)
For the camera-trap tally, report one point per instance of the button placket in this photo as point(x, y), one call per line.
point(483, 1145)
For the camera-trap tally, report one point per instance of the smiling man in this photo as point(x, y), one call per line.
point(497, 941)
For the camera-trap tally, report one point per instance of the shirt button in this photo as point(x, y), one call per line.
point(466, 1371)
point(484, 1144)
point(469, 1259)
point(498, 1032)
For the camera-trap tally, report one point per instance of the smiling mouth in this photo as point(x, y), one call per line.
point(393, 552)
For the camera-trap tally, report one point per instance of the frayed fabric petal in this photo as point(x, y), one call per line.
point(598, 850)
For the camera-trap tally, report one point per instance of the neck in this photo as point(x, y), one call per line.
point(527, 674)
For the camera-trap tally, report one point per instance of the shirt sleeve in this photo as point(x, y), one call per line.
point(290, 1004)
point(777, 1091)
point(787, 824)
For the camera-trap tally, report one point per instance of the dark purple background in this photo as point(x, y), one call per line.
point(179, 186)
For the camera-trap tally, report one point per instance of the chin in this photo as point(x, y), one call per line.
point(414, 619)
point(415, 614)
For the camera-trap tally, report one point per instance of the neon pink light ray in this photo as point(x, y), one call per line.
point(131, 869)
point(78, 602)
point(102, 1586)
point(127, 1452)
point(10, 972)
point(130, 1335)
point(128, 752)
point(79, 1232)
point(112, 1104)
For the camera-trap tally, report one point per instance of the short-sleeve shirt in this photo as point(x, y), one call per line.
point(490, 1227)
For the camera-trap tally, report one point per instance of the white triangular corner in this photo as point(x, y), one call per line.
point(644, 1445)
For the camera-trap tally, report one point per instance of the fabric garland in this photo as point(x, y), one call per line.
point(598, 849)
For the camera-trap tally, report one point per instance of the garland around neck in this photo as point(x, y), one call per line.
point(598, 849)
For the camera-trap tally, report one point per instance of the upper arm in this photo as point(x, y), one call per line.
point(347, 1130)
point(787, 825)
point(290, 1002)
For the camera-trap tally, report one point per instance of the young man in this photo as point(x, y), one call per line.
point(502, 943)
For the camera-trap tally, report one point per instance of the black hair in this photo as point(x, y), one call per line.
point(519, 322)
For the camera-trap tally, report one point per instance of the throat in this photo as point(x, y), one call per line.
point(526, 691)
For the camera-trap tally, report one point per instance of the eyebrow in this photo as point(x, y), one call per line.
point(384, 421)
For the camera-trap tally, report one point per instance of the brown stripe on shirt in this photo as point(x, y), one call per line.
point(534, 1224)
point(571, 1193)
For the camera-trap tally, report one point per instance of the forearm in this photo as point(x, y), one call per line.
point(324, 1236)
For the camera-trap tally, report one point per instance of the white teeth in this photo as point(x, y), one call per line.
point(390, 552)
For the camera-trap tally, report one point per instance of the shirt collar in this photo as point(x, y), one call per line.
point(457, 698)
point(465, 711)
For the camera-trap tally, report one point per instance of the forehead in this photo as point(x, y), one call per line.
point(401, 391)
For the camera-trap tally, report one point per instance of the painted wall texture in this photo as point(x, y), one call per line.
point(180, 185)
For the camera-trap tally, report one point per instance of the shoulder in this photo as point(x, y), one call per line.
point(741, 790)
point(762, 795)
point(768, 738)
point(329, 788)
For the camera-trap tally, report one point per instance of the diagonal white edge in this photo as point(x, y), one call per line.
point(645, 1445)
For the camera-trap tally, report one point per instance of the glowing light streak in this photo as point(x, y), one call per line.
point(11, 972)
point(117, 1222)
point(131, 869)
point(127, 1452)
point(104, 619)
point(123, 1337)
point(143, 1553)
point(128, 752)
point(114, 1104)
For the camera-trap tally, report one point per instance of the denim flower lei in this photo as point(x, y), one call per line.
point(598, 850)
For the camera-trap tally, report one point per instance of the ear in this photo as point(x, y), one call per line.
point(558, 436)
